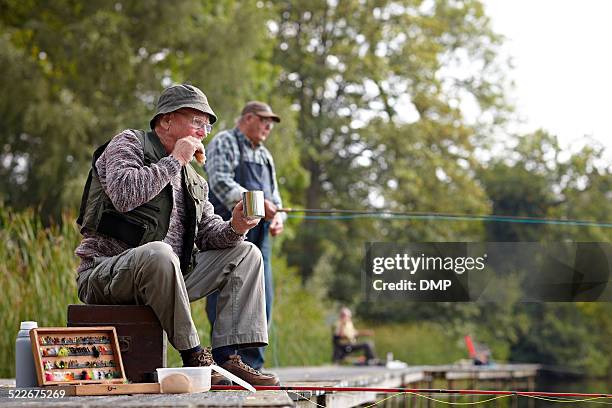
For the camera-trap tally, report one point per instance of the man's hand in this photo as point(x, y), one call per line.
point(270, 210)
point(239, 222)
point(276, 226)
point(185, 148)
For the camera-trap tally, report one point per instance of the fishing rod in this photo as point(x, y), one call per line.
point(348, 214)
point(297, 388)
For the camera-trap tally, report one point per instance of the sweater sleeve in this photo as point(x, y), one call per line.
point(213, 232)
point(124, 176)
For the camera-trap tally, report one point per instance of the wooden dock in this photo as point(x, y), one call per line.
point(516, 376)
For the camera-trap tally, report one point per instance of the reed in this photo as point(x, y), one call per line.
point(36, 275)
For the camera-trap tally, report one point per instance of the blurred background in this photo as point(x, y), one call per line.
point(401, 105)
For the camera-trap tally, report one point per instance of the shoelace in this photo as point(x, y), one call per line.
point(205, 357)
point(236, 359)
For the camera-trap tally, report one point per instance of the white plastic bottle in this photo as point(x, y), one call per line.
point(25, 370)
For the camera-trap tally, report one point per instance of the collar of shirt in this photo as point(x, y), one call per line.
point(245, 140)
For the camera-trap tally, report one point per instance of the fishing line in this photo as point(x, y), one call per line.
point(337, 214)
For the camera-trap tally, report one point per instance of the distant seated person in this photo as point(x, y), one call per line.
point(345, 339)
point(479, 353)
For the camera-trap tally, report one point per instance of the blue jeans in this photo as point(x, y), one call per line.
point(259, 236)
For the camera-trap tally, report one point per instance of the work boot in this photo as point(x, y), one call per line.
point(235, 366)
point(204, 358)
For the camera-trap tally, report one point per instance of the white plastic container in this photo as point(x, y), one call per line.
point(198, 377)
point(25, 370)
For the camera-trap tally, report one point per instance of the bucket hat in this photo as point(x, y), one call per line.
point(182, 96)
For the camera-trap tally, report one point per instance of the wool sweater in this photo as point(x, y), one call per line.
point(129, 183)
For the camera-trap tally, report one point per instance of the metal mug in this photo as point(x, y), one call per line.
point(253, 204)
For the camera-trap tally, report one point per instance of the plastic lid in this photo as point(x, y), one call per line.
point(28, 325)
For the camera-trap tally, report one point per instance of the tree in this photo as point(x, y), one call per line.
point(77, 72)
point(378, 97)
point(521, 182)
point(534, 179)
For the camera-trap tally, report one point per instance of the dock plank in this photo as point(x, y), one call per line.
point(346, 376)
point(196, 400)
point(321, 376)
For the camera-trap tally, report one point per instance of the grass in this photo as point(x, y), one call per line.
point(37, 276)
point(417, 343)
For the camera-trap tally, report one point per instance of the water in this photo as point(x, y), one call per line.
point(542, 384)
point(579, 386)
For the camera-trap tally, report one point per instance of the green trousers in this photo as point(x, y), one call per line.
point(150, 275)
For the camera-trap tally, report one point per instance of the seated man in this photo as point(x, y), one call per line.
point(345, 339)
point(479, 353)
point(143, 209)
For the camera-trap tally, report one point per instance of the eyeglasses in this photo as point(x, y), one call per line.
point(199, 123)
point(266, 121)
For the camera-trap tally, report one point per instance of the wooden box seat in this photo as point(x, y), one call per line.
point(142, 341)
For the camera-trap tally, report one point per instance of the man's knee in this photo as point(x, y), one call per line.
point(252, 254)
point(157, 258)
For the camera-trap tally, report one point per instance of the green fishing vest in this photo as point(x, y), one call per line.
point(150, 221)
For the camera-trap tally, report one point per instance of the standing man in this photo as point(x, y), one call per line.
point(143, 209)
point(237, 162)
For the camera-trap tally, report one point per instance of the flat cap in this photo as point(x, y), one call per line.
point(260, 109)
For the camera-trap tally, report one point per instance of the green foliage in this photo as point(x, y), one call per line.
point(520, 183)
point(299, 335)
point(406, 342)
point(599, 316)
point(561, 335)
point(75, 73)
point(37, 276)
point(378, 118)
point(533, 180)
